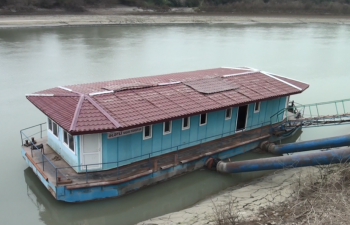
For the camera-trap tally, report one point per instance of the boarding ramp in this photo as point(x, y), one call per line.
point(310, 115)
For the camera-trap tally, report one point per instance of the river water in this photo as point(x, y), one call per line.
point(38, 58)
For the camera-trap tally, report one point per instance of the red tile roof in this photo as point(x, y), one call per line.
point(123, 104)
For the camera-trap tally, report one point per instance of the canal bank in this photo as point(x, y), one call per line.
point(110, 18)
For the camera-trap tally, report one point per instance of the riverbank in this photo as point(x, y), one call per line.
point(247, 202)
point(309, 195)
point(130, 15)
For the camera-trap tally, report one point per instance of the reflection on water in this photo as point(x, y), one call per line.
point(36, 59)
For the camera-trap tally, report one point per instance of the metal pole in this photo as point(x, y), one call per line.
point(310, 112)
point(21, 137)
point(343, 106)
point(318, 114)
point(86, 173)
point(336, 107)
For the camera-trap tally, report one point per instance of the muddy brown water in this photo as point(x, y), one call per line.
point(39, 58)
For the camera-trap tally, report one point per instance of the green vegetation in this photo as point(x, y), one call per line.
point(224, 6)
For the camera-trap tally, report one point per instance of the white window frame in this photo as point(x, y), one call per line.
point(65, 133)
point(257, 110)
point(228, 117)
point(48, 127)
point(206, 119)
point(150, 136)
point(170, 126)
point(188, 123)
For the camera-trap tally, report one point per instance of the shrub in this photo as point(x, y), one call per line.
point(73, 5)
point(3, 2)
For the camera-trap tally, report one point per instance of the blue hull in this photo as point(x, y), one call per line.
point(61, 192)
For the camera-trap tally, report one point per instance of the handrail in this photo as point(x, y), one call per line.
point(339, 106)
point(124, 160)
point(41, 131)
point(144, 156)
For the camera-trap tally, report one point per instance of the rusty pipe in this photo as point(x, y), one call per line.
point(289, 161)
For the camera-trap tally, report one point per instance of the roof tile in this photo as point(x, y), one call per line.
point(139, 101)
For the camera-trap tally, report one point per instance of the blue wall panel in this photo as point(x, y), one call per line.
point(185, 135)
point(131, 148)
point(194, 129)
point(157, 140)
point(176, 134)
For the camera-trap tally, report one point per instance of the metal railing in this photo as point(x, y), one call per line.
point(36, 134)
point(316, 114)
point(58, 172)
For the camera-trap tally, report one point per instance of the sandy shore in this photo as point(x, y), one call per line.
point(132, 15)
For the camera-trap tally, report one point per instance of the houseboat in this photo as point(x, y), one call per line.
point(107, 139)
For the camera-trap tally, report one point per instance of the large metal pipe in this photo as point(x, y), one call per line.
point(324, 143)
point(290, 161)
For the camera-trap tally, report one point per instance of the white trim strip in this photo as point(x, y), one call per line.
point(175, 82)
point(100, 93)
point(64, 88)
point(245, 73)
point(286, 77)
point(236, 68)
point(250, 68)
point(47, 95)
point(292, 85)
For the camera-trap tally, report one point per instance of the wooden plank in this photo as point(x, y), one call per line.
point(104, 183)
point(37, 167)
point(167, 166)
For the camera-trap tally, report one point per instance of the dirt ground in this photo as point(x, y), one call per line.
point(309, 195)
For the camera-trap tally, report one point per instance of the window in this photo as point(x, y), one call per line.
point(69, 140)
point(147, 132)
point(228, 114)
point(49, 122)
point(257, 107)
point(167, 127)
point(202, 119)
point(52, 127)
point(185, 123)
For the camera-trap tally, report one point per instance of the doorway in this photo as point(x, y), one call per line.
point(242, 118)
point(91, 151)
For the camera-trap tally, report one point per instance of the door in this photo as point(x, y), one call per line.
point(242, 118)
point(91, 152)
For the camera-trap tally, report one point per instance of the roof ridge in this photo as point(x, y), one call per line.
point(283, 81)
point(76, 113)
